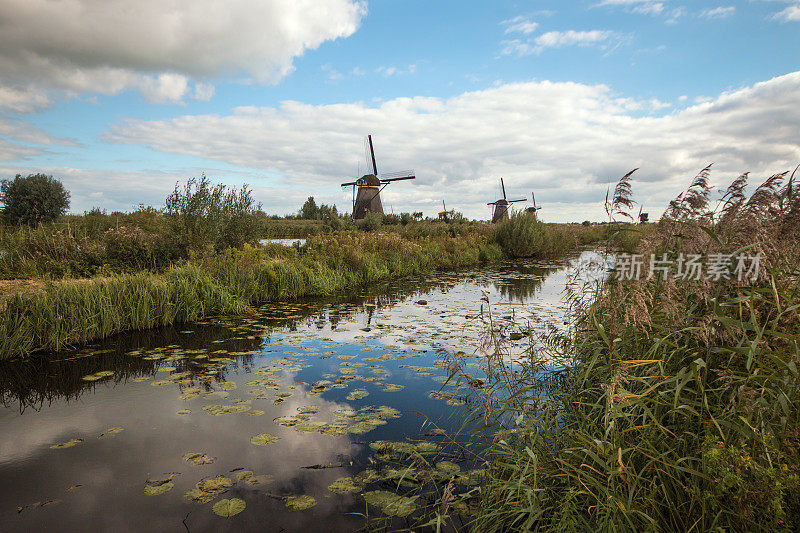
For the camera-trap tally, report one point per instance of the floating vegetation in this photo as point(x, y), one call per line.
point(198, 459)
point(301, 502)
point(390, 387)
point(344, 485)
point(216, 410)
point(255, 412)
point(69, 444)
point(263, 439)
point(198, 496)
point(111, 431)
point(214, 485)
point(357, 394)
point(98, 375)
point(287, 421)
point(184, 412)
point(365, 477)
point(158, 488)
point(390, 503)
point(228, 508)
point(448, 468)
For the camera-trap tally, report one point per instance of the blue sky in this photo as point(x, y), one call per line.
point(556, 97)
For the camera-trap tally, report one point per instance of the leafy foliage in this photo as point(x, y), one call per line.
point(34, 199)
point(201, 214)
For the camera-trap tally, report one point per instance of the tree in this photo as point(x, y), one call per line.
point(33, 199)
point(309, 211)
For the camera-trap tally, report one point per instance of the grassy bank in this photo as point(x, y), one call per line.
point(678, 406)
point(68, 312)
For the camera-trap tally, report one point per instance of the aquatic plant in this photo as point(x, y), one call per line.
point(677, 404)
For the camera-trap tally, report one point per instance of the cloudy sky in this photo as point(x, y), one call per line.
point(123, 99)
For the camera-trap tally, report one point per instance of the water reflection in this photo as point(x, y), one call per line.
point(294, 360)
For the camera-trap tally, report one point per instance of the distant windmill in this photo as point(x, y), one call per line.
point(367, 199)
point(500, 209)
point(445, 214)
point(535, 207)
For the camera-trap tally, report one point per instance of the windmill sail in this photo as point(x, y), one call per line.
point(500, 210)
point(367, 198)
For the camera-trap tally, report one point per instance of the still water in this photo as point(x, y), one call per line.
point(284, 411)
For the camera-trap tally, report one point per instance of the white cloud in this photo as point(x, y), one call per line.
point(647, 7)
point(160, 46)
point(555, 39)
point(718, 12)
point(790, 14)
point(396, 71)
point(22, 99)
point(203, 92)
point(563, 140)
point(25, 132)
point(520, 25)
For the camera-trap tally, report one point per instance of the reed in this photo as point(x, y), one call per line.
point(675, 404)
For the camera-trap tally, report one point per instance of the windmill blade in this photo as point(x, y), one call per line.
point(513, 201)
point(372, 156)
point(492, 203)
point(533, 197)
point(348, 183)
point(503, 186)
point(409, 174)
point(412, 177)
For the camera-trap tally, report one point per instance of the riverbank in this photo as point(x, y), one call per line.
point(49, 315)
point(677, 405)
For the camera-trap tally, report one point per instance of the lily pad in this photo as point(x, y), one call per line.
point(357, 394)
point(390, 387)
point(214, 485)
point(155, 490)
point(344, 485)
point(199, 496)
point(98, 375)
point(197, 458)
point(69, 444)
point(263, 439)
point(301, 502)
point(228, 508)
point(390, 503)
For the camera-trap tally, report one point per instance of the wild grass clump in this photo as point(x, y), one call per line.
point(676, 404)
point(203, 215)
point(523, 235)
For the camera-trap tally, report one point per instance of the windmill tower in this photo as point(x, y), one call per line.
point(367, 188)
point(535, 208)
point(500, 209)
point(446, 215)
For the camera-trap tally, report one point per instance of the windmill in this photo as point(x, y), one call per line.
point(535, 207)
point(500, 210)
point(445, 214)
point(367, 199)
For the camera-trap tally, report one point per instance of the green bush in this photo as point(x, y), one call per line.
point(371, 222)
point(203, 215)
point(521, 235)
point(33, 199)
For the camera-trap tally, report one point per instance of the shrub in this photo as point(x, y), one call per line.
point(370, 222)
point(202, 215)
point(520, 235)
point(33, 199)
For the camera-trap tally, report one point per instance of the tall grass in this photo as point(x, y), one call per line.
point(69, 312)
point(523, 235)
point(675, 404)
